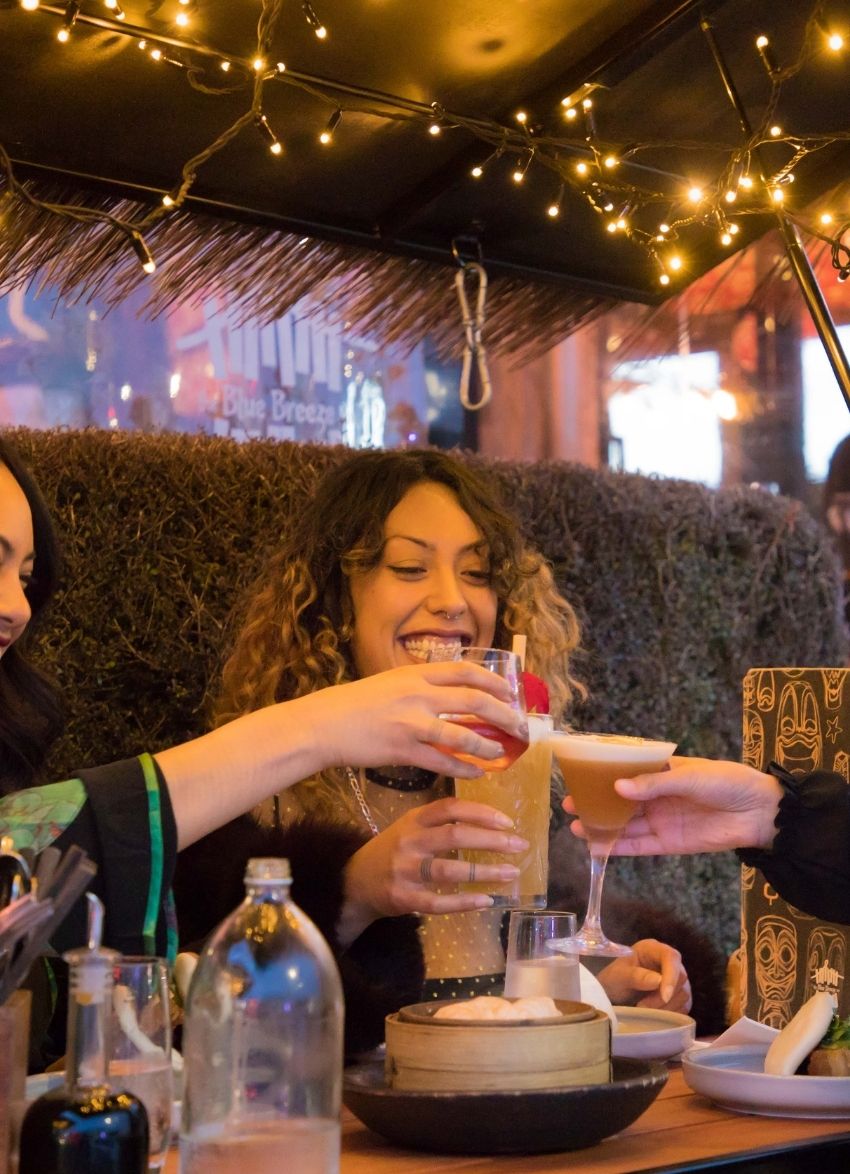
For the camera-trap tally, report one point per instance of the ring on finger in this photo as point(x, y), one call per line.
point(471, 872)
point(425, 869)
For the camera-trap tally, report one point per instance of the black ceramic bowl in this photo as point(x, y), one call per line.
point(528, 1121)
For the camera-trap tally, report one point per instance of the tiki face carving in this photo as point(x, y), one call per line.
point(833, 686)
point(775, 968)
point(749, 690)
point(798, 733)
point(754, 754)
point(765, 689)
point(841, 765)
point(826, 960)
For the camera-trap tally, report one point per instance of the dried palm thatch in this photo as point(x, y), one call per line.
point(262, 272)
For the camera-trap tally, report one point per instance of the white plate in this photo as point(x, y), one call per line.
point(645, 1034)
point(734, 1077)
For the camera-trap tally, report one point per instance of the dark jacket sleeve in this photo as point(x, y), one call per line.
point(127, 827)
point(809, 863)
point(381, 970)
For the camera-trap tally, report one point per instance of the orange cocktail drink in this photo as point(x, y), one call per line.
point(522, 792)
point(591, 764)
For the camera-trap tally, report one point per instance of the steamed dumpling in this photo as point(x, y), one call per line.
point(495, 1007)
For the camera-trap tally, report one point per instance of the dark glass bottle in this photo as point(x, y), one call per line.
point(85, 1128)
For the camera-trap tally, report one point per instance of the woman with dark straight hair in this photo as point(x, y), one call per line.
point(30, 709)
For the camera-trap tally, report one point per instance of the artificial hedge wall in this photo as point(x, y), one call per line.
point(680, 590)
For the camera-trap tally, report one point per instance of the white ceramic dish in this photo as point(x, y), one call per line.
point(645, 1034)
point(734, 1077)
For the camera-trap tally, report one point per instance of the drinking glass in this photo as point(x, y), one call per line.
point(507, 666)
point(140, 1044)
point(533, 968)
point(522, 792)
point(590, 764)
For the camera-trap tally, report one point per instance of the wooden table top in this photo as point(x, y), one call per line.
point(679, 1131)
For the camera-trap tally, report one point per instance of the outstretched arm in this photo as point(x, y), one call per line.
point(699, 805)
point(391, 717)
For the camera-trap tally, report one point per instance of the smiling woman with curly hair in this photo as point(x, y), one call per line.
point(398, 555)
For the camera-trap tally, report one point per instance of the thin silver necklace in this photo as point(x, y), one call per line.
point(354, 783)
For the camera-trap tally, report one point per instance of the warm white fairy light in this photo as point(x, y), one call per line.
point(746, 182)
point(826, 218)
point(435, 129)
point(586, 103)
point(224, 66)
point(611, 226)
point(168, 201)
point(695, 194)
point(766, 55)
point(326, 137)
point(143, 44)
point(30, 5)
point(571, 113)
point(313, 20)
point(775, 131)
point(258, 65)
point(156, 54)
point(726, 238)
point(675, 262)
point(263, 125)
point(611, 161)
point(518, 174)
point(521, 117)
point(142, 252)
point(835, 42)
point(63, 35)
point(734, 228)
point(664, 279)
point(731, 196)
point(582, 169)
point(182, 19)
point(663, 227)
point(777, 195)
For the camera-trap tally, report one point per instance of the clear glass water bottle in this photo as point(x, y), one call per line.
point(262, 1042)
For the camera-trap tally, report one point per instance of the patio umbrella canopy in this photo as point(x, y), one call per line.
point(591, 125)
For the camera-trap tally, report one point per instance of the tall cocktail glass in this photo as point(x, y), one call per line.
point(522, 792)
point(590, 764)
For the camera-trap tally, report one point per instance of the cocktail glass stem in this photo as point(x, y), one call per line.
point(591, 937)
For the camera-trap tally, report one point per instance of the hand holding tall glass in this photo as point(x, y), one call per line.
point(521, 793)
point(505, 665)
point(591, 763)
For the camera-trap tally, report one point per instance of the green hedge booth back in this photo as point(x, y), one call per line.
point(680, 590)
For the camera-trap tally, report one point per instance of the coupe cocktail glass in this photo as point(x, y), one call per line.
point(590, 764)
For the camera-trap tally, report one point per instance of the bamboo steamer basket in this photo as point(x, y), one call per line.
point(428, 1054)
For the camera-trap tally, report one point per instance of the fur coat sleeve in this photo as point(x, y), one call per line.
point(381, 970)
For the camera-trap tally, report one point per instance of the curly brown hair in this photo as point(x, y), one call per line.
point(299, 616)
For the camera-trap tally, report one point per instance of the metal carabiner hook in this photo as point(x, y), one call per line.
point(473, 326)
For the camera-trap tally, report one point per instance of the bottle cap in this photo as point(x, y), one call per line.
point(268, 869)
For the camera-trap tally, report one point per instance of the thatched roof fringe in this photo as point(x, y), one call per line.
point(262, 273)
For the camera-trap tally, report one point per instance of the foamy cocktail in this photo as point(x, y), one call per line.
point(591, 764)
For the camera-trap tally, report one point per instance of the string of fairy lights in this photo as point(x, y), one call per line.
point(655, 210)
